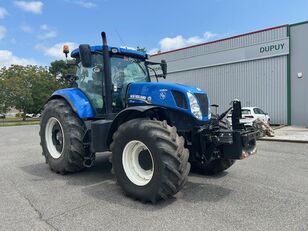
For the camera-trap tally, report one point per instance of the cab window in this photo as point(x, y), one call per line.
point(90, 81)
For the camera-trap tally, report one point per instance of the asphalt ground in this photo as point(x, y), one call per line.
point(268, 191)
point(289, 134)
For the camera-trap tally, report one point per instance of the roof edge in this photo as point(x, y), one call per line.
point(220, 40)
point(120, 50)
point(299, 23)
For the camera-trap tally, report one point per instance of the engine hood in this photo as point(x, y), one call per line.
point(170, 86)
point(168, 95)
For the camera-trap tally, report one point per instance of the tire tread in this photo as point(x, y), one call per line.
point(76, 129)
point(173, 155)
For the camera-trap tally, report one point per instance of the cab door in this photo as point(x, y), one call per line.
point(89, 80)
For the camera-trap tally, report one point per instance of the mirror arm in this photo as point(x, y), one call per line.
point(156, 76)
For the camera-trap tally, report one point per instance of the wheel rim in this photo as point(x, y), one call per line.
point(138, 163)
point(54, 137)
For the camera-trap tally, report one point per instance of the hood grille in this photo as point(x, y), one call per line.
point(180, 99)
point(204, 103)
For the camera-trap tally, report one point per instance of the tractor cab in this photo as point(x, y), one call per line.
point(125, 65)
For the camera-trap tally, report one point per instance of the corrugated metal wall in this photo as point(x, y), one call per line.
point(233, 43)
point(299, 86)
point(261, 83)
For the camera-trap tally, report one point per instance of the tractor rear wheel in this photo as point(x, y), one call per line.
point(149, 159)
point(61, 133)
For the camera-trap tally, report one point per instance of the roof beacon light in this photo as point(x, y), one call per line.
point(66, 49)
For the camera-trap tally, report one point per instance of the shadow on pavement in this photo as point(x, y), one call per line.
point(203, 192)
point(99, 172)
point(217, 176)
point(98, 182)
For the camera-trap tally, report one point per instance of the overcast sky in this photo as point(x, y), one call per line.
point(33, 32)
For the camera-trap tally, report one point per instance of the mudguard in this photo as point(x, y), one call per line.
point(78, 101)
point(127, 114)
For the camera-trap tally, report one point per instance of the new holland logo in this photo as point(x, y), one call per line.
point(163, 94)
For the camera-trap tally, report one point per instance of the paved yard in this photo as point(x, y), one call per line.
point(290, 133)
point(268, 191)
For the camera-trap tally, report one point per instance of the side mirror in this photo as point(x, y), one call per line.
point(85, 55)
point(163, 65)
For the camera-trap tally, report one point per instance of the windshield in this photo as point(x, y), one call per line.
point(125, 70)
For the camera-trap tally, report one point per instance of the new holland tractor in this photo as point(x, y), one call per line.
point(154, 131)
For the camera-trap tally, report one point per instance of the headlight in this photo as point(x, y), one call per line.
point(194, 106)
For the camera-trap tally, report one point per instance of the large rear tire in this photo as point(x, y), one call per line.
point(149, 159)
point(61, 132)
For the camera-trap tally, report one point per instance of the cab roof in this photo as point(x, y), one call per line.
point(120, 50)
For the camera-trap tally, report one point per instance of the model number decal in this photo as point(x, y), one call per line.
point(142, 98)
point(138, 97)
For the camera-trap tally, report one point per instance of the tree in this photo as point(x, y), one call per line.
point(60, 69)
point(28, 88)
point(4, 103)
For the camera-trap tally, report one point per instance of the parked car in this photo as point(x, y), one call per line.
point(250, 114)
point(29, 115)
point(37, 115)
point(2, 116)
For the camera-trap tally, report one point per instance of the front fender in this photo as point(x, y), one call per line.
point(132, 113)
point(78, 100)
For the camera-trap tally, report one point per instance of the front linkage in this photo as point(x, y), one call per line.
point(218, 140)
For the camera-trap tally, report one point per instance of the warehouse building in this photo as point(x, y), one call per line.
point(266, 69)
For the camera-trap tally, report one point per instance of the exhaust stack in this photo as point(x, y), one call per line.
point(107, 83)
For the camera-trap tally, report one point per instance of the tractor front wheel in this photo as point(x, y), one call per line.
point(149, 159)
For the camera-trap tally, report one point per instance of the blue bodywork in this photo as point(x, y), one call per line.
point(120, 50)
point(160, 94)
point(78, 101)
point(143, 93)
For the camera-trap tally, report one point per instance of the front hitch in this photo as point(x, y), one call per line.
point(243, 145)
point(237, 115)
point(236, 143)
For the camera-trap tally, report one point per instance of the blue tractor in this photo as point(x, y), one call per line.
point(155, 131)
